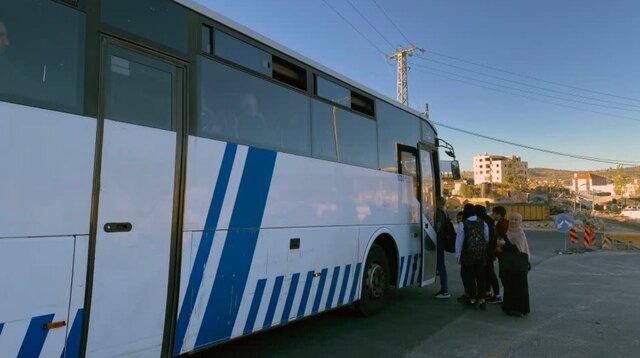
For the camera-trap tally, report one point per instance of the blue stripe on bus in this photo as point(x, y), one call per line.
point(222, 308)
point(323, 278)
point(202, 255)
point(406, 274)
point(290, 296)
point(332, 288)
point(35, 337)
point(305, 294)
point(415, 268)
point(1, 327)
point(345, 281)
point(271, 310)
point(72, 347)
point(255, 306)
point(354, 285)
point(400, 272)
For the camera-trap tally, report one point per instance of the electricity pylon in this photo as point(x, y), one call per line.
point(402, 87)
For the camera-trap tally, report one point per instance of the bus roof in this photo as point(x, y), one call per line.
point(203, 10)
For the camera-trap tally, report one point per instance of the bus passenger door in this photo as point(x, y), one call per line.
point(427, 188)
point(138, 205)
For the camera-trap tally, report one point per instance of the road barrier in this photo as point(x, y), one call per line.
point(589, 237)
point(586, 241)
point(624, 240)
point(606, 242)
point(573, 235)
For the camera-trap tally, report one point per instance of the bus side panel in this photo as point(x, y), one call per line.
point(35, 291)
point(253, 204)
point(76, 306)
point(47, 160)
point(317, 270)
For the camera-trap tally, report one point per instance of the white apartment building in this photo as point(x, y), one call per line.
point(494, 168)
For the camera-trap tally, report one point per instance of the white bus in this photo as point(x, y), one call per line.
point(172, 180)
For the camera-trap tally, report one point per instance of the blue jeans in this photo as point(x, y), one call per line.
point(442, 269)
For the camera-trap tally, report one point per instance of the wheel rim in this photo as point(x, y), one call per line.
point(376, 279)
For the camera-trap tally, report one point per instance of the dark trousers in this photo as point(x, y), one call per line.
point(473, 279)
point(491, 279)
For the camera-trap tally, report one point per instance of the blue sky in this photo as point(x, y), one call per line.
point(588, 44)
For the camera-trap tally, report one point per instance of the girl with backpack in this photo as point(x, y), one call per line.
point(471, 252)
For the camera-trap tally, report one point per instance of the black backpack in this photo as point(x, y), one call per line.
point(449, 235)
point(475, 245)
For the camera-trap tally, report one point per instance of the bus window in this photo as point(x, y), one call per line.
point(333, 92)
point(243, 108)
point(241, 53)
point(355, 136)
point(42, 54)
point(395, 126)
point(161, 21)
point(130, 81)
point(206, 39)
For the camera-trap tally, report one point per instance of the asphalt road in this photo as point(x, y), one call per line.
point(583, 305)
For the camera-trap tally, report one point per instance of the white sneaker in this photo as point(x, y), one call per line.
point(442, 295)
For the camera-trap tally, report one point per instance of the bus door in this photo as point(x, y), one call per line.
point(408, 165)
point(427, 188)
point(138, 201)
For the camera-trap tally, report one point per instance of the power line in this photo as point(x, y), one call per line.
point(494, 84)
point(548, 151)
point(422, 68)
point(513, 73)
point(527, 91)
point(353, 27)
point(532, 77)
point(538, 87)
point(369, 22)
point(391, 21)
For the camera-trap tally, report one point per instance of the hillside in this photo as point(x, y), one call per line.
point(548, 174)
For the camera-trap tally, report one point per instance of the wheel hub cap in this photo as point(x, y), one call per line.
point(375, 280)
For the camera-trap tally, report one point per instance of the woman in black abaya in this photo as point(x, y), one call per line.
point(514, 266)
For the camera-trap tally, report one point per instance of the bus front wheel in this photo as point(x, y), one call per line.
point(375, 282)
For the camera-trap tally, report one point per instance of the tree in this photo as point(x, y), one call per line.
point(466, 190)
point(514, 181)
point(619, 181)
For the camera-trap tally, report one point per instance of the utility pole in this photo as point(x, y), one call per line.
point(402, 87)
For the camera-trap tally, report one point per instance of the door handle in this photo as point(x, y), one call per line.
point(117, 227)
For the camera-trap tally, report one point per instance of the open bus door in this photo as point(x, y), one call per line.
point(427, 156)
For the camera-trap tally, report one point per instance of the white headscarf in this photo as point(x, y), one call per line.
point(516, 234)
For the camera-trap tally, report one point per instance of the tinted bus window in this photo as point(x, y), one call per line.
point(239, 107)
point(395, 126)
point(160, 21)
point(428, 134)
point(242, 53)
point(139, 90)
point(333, 92)
point(356, 136)
point(324, 134)
point(42, 54)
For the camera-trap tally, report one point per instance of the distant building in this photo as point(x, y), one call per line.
point(588, 182)
point(494, 168)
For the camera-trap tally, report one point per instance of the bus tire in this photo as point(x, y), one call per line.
point(375, 282)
